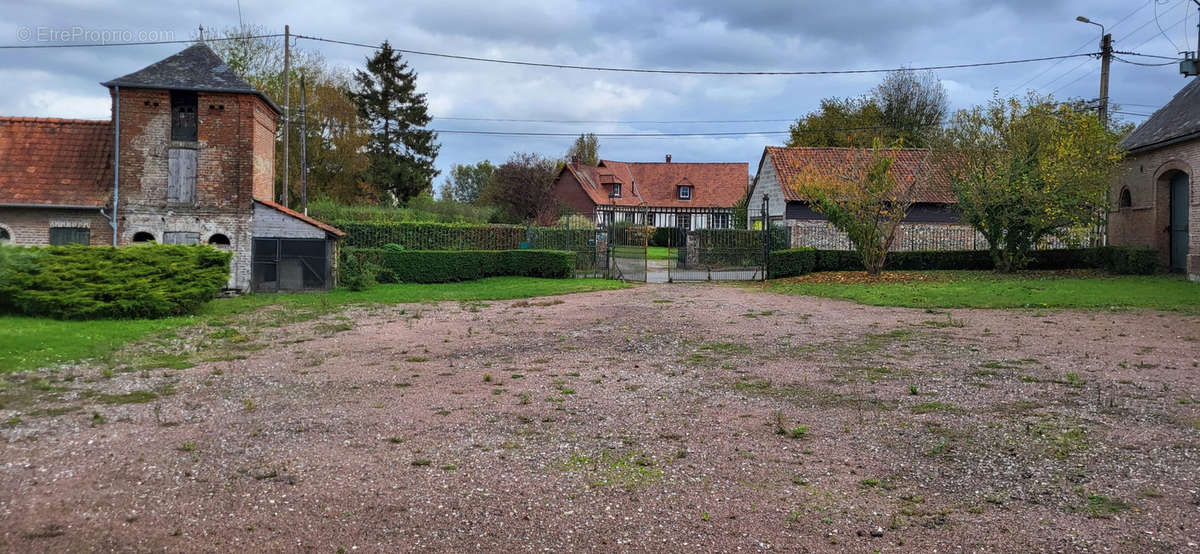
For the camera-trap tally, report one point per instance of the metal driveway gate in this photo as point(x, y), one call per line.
point(627, 250)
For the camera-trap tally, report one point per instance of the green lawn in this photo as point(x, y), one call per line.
point(30, 343)
point(980, 289)
point(657, 253)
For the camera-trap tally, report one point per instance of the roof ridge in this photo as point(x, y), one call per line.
point(27, 119)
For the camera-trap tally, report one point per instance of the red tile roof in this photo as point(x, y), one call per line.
point(314, 222)
point(912, 166)
point(655, 184)
point(58, 162)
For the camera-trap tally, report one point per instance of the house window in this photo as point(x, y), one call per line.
point(616, 190)
point(181, 176)
point(720, 221)
point(70, 235)
point(177, 237)
point(1126, 200)
point(143, 236)
point(219, 240)
point(685, 192)
point(183, 115)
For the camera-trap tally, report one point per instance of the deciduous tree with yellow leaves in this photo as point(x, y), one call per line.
point(861, 195)
point(1025, 171)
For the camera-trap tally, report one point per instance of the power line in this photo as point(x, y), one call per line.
point(605, 135)
point(1078, 48)
point(1123, 37)
point(1160, 29)
point(135, 43)
point(1132, 113)
point(615, 121)
point(1123, 60)
point(690, 72)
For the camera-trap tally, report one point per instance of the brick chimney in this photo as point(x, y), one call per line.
point(668, 158)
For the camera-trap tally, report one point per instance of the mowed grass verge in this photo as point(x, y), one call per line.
point(31, 343)
point(985, 289)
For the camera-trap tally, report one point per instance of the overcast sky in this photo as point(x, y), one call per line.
point(747, 35)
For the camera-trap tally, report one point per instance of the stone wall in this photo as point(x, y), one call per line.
point(910, 236)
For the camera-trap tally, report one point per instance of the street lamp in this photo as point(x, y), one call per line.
point(1105, 59)
point(1083, 19)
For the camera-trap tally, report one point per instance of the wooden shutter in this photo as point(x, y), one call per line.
point(181, 176)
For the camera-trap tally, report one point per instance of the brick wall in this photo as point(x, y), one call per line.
point(1144, 224)
point(233, 159)
point(31, 226)
point(570, 194)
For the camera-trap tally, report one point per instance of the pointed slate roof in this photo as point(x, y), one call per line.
point(1176, 121)
point(196, 68)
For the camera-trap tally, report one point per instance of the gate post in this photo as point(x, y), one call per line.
point(766, 227)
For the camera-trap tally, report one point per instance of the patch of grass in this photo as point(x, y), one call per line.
point(1104, 507)
point(416, 359)
point(31, 343)
point(134, 397)
point(726, 348)
point(421, 462)
point(629, 470)
point(934, 406)
point(986, 289)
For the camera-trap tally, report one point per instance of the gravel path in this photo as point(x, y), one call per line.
point(660, 418)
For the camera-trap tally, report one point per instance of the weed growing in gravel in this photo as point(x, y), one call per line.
point(421, 462)
point(187, 447)
point(930, 407)
point(523, 398)
point(1104, 507)
point(134, 397)
point(628, 470)
point(912, 390)
point(416, 359)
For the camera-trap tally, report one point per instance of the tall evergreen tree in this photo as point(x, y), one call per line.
point(586, 149)
point(401, 150)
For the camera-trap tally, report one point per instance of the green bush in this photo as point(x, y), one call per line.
point(1120, 260)
point(443, 266)
point(793, 262)
point(1132, 261)
point(89, 282)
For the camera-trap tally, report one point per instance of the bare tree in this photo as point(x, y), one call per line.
point(912, 104)
point(523, 189)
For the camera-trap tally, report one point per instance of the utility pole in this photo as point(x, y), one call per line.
point(303, 148)
point(1106, 51)
point(287, 97)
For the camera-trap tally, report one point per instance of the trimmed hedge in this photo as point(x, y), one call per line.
point(427, 235)
point(394, 265)
point(793, 262)
point(1115, 259)
point(90, 282)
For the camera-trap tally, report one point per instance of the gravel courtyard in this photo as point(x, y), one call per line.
point(658, 418)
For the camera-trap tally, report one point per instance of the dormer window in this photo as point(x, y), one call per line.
point(616, 190)
point(685, 192)
point(183, 115)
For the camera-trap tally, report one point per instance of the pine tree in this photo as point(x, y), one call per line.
point(401, 150)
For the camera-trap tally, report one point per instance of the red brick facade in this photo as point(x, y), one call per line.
point(1144, 223)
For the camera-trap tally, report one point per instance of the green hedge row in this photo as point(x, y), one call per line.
point(393, 265)
point(1116, 259)
point(462, 236)
point(89, 282)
